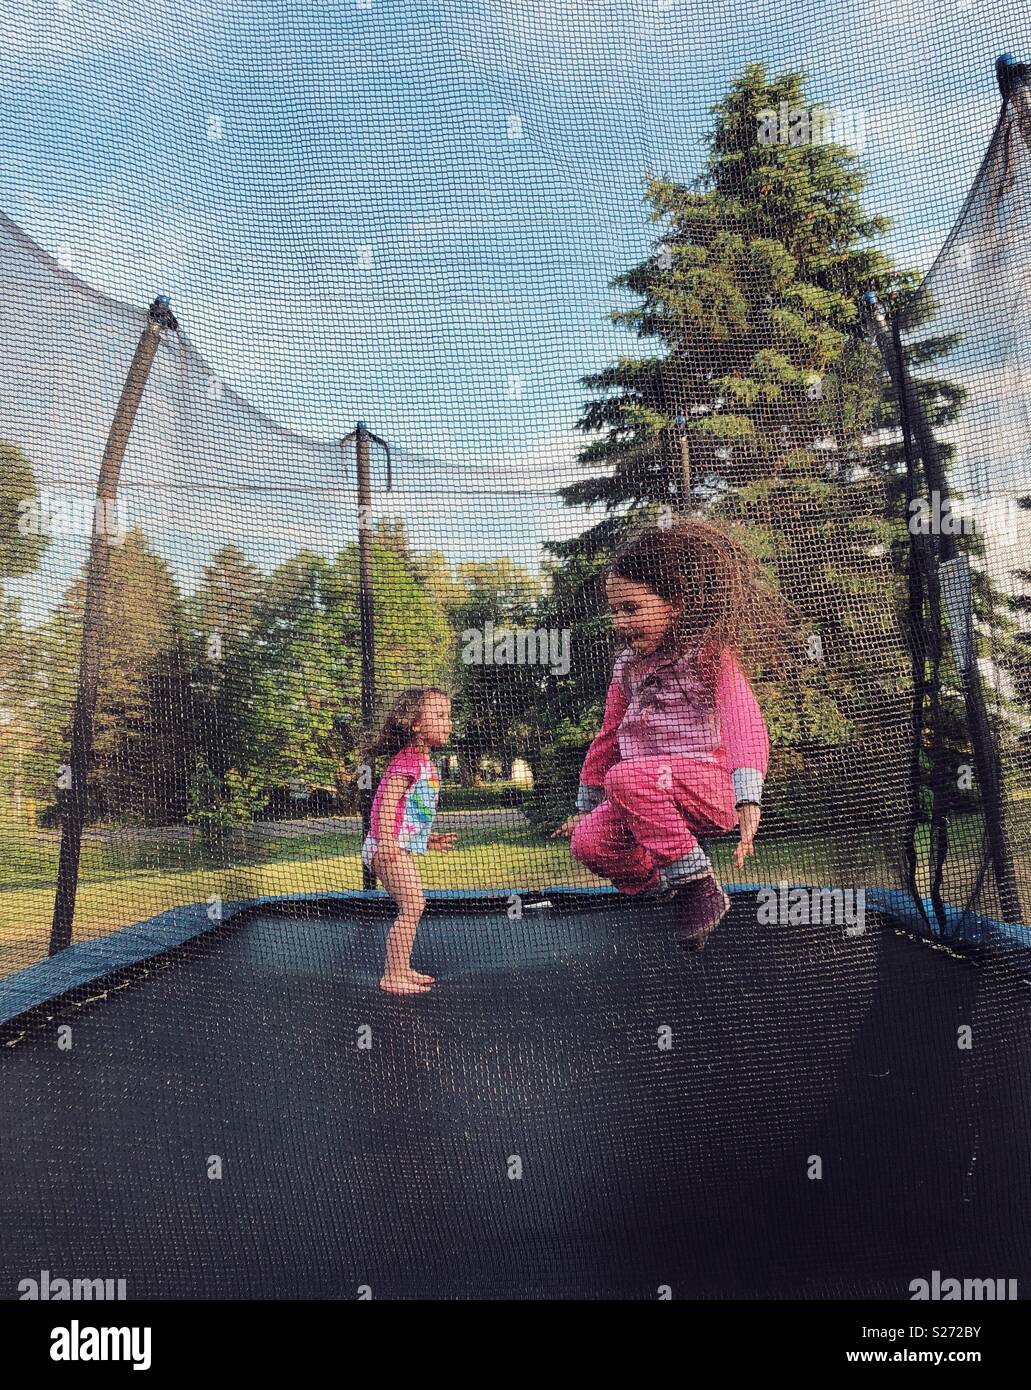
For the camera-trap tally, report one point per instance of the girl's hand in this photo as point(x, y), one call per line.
point(565, 830)
point(748, 824)
point(442, 843)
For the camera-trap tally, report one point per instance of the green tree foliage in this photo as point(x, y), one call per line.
point(414, 639)
point(21, 545)
point(495, 695)
point(250, 687)
point(225, 659)
point(142, 748)
point(305, 688)
point(19, 699)
point(307, 693)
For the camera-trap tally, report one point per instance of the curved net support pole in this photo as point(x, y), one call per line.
point(74, 796)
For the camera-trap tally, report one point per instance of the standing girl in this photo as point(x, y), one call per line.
point(402, 816)
point(683, 749)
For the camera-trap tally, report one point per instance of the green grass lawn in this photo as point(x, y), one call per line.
point(134, 877)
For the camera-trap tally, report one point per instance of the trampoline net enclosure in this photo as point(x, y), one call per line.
point(567, 290)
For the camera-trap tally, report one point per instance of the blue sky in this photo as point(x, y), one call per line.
point(410, 212)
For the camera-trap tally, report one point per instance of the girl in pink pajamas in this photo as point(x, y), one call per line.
point(683, 750)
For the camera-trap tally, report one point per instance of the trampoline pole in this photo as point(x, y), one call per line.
point(72, 799)
point(685, 463)
point(367, 637)
point(982, 740)
point(366, 606)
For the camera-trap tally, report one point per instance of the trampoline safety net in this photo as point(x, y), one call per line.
point(619, 414)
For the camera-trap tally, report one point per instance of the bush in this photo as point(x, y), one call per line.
point(557, 778)
point(491, 796)
point(218, 805)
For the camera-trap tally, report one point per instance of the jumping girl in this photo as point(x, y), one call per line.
point(683, 750)
point(402, 816)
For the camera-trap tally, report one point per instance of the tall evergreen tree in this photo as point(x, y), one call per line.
point(22, 546)
point(142, 753)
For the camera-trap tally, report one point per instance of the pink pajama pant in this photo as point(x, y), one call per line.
point(655, 809)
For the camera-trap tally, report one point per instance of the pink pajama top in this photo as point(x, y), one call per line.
point(658, 707)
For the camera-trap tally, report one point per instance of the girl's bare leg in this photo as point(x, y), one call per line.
point(400, 877)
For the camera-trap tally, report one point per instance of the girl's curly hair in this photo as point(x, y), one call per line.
point(398, 727)
point(726, 600)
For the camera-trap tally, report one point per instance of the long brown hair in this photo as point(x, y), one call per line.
point(726, 600)
point(397, 729)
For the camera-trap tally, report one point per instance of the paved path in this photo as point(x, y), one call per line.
point(508, 818)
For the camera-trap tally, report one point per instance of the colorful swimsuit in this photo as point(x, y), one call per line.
point(415, 810)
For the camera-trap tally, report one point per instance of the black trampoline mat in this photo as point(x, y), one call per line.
point(520, 1133)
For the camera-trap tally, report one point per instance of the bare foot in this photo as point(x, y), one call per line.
point(403, 984)
point(427, 979)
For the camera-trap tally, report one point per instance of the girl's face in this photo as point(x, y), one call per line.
point(641, 616)
point(433, 725)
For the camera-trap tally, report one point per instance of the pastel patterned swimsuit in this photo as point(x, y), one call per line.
point(416, 809)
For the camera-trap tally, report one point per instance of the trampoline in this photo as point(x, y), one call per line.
point(240, 1113)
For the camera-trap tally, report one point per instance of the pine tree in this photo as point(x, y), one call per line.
point(22, 546)
point(22, 542)
point(142, 753)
